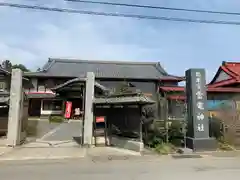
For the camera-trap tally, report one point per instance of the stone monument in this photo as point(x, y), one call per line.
point(198, 123)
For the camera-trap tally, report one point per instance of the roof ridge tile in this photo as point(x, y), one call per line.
point(70, 60)
point(103, 69)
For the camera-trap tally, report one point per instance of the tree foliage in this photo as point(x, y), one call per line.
point(20, 66)
point(9, 66)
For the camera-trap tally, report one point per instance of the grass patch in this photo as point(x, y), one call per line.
point(224, 146)
point(165, 148)
point(56, 119)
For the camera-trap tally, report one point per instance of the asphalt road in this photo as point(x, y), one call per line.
point(139, 169)
point(64, 132)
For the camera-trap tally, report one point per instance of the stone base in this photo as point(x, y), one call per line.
point(126, 143)
point(202, 144)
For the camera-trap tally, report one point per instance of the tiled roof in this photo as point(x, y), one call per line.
point(4, 70)
point(9, 73)
point(176, 97)
point(40, 95)
point(137, 99)
point(172, 78)
point(209, 89)
point(230, 68)
point(4, 100)
point(103, 69)
point(4, 97)
point(76, 81)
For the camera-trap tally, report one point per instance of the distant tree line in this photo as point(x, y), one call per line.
point(7, 65)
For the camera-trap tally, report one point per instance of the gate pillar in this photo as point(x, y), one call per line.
point(88, 114)
point(16, 133)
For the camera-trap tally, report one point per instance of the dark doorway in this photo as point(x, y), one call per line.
point(3, 119)
point(34, 107)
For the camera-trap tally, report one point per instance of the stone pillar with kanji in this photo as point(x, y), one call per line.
point(197, 119)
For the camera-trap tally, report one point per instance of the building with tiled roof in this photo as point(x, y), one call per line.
point(228, 75)
point(226, 80)
point(144, 76)
point(225, 85)
point(103, 69)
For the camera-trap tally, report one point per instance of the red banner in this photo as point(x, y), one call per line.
point(68, 110)
point(100, 119)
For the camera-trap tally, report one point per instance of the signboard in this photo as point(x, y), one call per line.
point(196, 100)
point(100, 119)
point(68, 110)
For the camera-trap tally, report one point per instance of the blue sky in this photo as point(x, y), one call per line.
point(30, 37)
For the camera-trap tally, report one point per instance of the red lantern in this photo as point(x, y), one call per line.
point(68, 110)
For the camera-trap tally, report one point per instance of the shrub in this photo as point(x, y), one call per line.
point(224, 146)
point(165, 148)
point(56, 119)
point(176, 133)
point(175, 130)
point(215, 128)
point(155, 141)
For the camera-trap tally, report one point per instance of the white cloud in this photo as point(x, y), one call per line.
point(13, 54)
point(31, 37)
point(69, 35)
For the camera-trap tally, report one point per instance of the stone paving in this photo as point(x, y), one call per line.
point(42, 153)
point(34, 153)
point(64, 132)
point(4, 150)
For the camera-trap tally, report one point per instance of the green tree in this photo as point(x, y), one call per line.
point(7, 65)
point(20, 66)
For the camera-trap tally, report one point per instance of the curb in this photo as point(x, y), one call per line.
point(40, 158)
point(2, 158)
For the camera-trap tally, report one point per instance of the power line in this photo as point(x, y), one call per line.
point(156, 7)
point(136, 16)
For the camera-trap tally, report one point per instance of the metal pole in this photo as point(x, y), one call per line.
point(94, 130)
point(141, 136)
point(166, 117)
point(185, 125)
point(105, 131)
point(83, 108)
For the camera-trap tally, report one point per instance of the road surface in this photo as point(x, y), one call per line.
point(64, 132)
point(136, 168)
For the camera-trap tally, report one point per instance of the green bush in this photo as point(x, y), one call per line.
point(175, 133)
point(175, 130)
point(215, 128)
point(165, 148)
point(56, 119)
point(155, 141)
